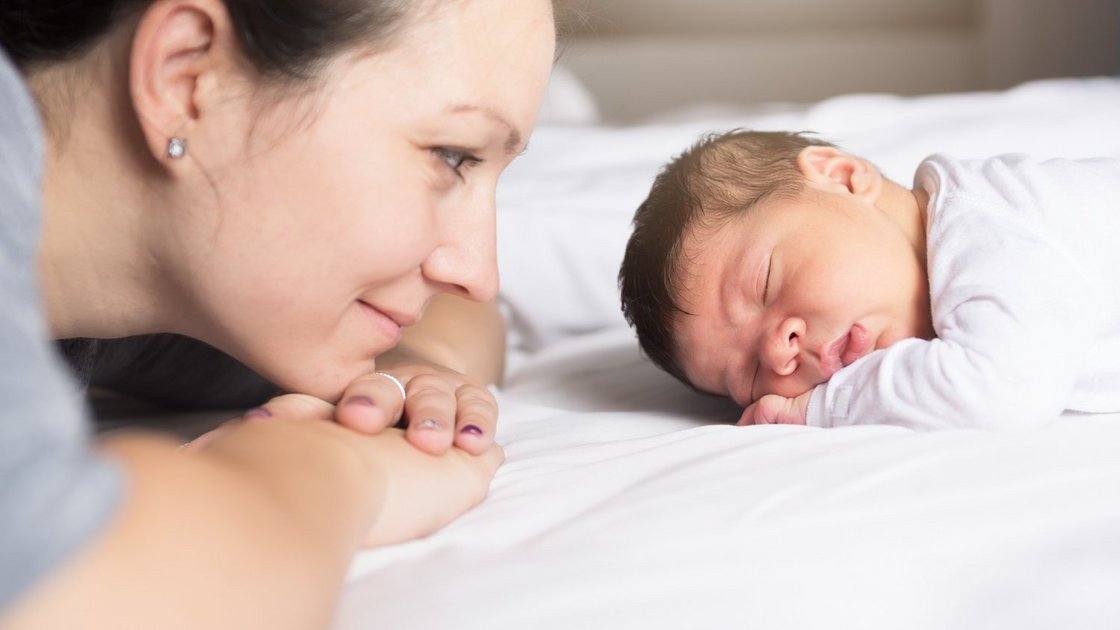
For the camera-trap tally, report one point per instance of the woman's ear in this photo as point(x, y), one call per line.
point(178, 51)
point(832, 167)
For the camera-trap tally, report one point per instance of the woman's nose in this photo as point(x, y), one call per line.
point(782, 348)
point(466, 262)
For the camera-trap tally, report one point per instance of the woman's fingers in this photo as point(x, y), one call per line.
point(295, 406)
point(431, 409)
point(371, 403)
point(442, 412)
point(476, 418)
point(442, 409)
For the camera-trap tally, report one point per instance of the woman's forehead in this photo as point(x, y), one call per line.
point(484, 53)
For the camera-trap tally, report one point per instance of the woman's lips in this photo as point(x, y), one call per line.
point(383, 322)
point(845, 350)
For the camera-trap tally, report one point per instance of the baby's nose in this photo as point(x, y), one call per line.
point(783, 348)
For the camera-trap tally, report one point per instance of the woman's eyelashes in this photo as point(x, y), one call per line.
point(766, 282)
point(458, 160)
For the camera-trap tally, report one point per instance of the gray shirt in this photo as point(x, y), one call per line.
point(56, 491)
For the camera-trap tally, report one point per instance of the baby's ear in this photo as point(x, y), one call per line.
point(831, 168)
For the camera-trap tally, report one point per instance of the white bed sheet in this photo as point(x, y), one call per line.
point(622, 505)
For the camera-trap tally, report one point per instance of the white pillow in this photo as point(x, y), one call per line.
point(567, 101)
point(564, 213)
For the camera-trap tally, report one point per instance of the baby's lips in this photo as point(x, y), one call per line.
point(831, 356)
point(859, 343)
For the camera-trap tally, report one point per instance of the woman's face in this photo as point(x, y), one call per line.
point(344, 212)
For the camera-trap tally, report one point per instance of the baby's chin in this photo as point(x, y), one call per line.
point(890, 338)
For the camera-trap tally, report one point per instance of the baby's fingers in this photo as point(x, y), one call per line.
point(765, 410)
point(749, 415)
point(371, 403)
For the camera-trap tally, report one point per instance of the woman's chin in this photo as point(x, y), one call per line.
point(325, 386)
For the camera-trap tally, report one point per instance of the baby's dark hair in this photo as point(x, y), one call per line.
point(719, 178)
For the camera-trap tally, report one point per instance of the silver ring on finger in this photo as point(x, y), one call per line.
point(400, 385)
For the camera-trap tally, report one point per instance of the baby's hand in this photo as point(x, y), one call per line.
point(774, 409)
point(443, 407)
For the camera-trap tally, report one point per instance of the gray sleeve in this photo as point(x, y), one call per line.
point(55, 490)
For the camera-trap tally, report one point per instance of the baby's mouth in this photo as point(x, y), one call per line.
point(845, 350)
point(859, 343)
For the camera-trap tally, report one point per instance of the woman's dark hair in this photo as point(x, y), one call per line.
point(282, 38)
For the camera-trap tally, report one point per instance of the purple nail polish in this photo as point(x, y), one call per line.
point(471, 429)
point(364, 401)
point(257, 412)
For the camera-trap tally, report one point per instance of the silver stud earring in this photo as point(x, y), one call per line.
point(176, 147)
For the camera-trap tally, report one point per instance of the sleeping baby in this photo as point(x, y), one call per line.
point(786, 274)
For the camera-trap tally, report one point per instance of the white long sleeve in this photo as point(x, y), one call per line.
point(1025, 296)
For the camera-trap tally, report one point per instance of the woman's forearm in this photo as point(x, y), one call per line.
point(255, 531)
point(469, 337)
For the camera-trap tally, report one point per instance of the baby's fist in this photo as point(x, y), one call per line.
point(774, 409)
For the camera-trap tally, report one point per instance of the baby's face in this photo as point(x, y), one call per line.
point(788, 294)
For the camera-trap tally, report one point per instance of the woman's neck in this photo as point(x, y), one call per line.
point(99, 276)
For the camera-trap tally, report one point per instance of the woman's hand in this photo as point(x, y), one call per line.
point(441, 407)
point(444, 363)
point(288, 405)
point(423, 493)
point(774, 409)
point(419, 493)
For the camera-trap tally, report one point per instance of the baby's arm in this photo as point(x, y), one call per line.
point(1000, 362)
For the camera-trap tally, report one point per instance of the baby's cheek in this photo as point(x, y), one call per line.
point(791, 386)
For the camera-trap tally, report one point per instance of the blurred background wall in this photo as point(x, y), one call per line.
point(644, 56)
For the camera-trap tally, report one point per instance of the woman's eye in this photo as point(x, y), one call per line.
point(456, 159)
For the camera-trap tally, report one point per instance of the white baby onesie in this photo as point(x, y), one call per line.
point(1024, 274)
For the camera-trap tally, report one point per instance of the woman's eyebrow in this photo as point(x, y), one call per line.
point(513, 141)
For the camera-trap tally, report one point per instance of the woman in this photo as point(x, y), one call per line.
point(290, 182)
